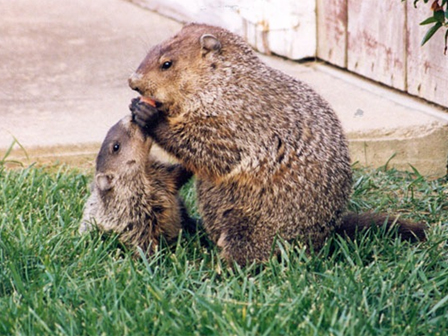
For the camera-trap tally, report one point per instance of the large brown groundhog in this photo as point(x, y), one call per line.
point(269, 153)
point(133, 194)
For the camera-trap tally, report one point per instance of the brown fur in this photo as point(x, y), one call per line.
point(353, 223)
point(133, 194)
point(269, 153)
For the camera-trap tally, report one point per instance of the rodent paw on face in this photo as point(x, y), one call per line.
point(144, 114)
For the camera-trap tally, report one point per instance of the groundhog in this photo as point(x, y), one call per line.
point(268, 152)
point(134, 195)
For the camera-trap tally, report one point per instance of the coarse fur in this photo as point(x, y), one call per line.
point(134, 195)
point(269, 153)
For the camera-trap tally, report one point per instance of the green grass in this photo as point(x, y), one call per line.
point(54, 282)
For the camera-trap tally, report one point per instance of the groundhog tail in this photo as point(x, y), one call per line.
point(407, 230)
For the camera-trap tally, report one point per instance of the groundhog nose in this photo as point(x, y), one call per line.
point(135, 81)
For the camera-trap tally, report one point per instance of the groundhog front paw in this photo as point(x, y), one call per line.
point(143, 114)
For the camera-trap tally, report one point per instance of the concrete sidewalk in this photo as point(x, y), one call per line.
point(63, 83)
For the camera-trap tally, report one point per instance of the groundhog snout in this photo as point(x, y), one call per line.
point(135, 82)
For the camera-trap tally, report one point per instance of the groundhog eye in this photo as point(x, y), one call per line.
point(116, 147)
point(166, 65)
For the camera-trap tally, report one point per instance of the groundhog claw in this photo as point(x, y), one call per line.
point(144, 114)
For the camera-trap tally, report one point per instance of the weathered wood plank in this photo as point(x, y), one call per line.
point(332, 31)
point(283, 27)
point(427, 65)
point(376, 41)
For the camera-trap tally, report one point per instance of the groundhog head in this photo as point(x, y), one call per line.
point(124, 151)
point(175, 70)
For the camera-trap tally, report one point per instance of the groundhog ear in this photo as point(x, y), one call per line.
point(104, 182)
point(210, 43)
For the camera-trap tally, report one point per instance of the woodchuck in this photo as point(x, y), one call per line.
point(269, 153)
point(133, 194)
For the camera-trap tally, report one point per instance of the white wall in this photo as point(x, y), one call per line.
point(283, 27)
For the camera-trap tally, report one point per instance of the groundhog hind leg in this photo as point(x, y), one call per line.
point(241, 243)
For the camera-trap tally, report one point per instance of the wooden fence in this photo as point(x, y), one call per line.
point(381, 40)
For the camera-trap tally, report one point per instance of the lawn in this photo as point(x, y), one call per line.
point(55, 282)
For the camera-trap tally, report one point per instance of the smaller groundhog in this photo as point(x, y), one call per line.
point(134, 195)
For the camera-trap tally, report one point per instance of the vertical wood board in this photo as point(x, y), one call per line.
point(332, 31)
point(282, 27)
point(376, 41)
point(427, 65)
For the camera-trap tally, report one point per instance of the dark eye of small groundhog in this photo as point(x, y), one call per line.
point(166, 65)
point(116, 147)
